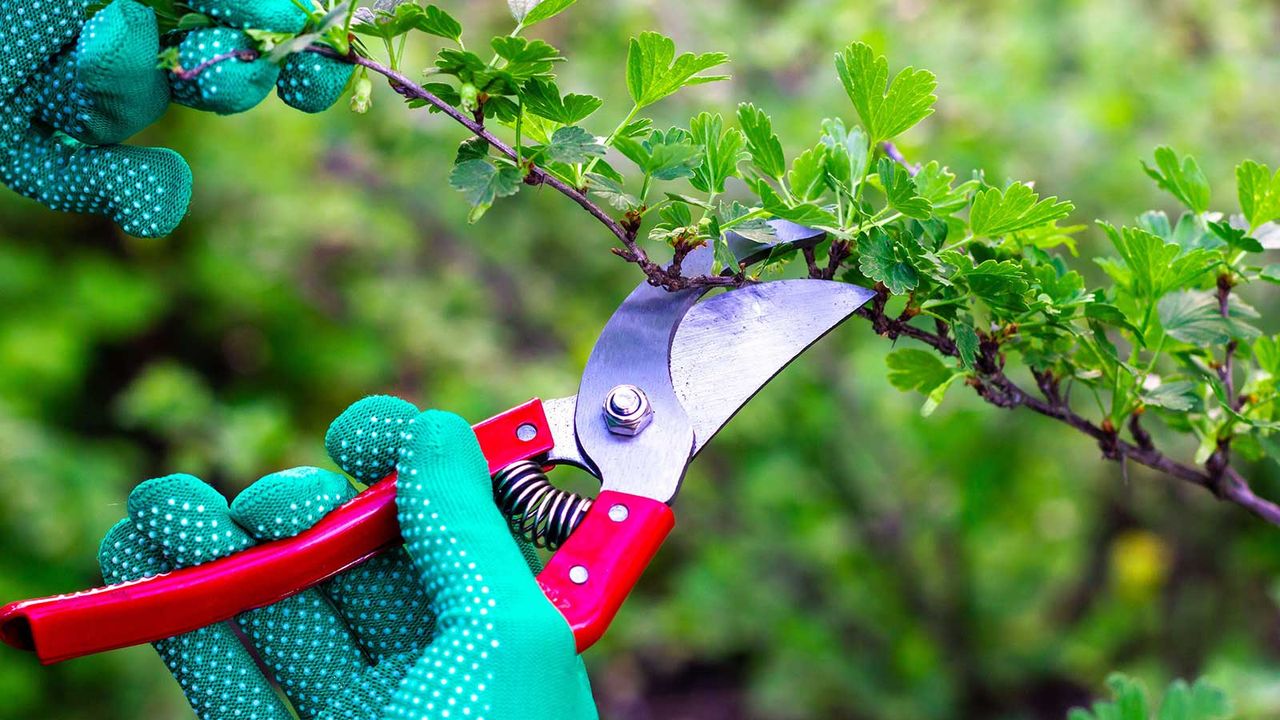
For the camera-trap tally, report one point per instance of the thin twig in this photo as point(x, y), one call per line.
point(193, 73)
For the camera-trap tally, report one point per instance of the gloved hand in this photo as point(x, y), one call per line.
point(71, 89)
point(451, 626)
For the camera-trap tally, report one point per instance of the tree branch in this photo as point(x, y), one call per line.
point(667, 277)
point(989, 380)
point(994, 386)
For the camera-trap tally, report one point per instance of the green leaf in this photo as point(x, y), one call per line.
point(900, 188)
point(997, 283)
point(1270, 273)
point(915, 369)
point(933, 400)
point(440, 23)
point(848, 155)
point(654, 71)
point(542, 98)
point(807, 178)
point(802, 213)
point(611, 190)
point(1201, 701)
point(669, 155)
point(1266, 353)
point(1234, 237)
point(936, 184)
point(885, 113)
point(481, 182)
point(762, 143)
point(573, 145)
point(1181, 178)
point(1259, 193)
point(966, 343)
point(1111, 315)
point(880, 259)
point(723, 148)
point(1179, 396)
point(1016, 208)
point(1195, 318)
point(391, 22)
point(526, 59)
point(475, 148)
point(544, 10)
point(1152, 267)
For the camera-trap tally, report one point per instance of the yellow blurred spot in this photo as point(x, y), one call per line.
point(1139, 563)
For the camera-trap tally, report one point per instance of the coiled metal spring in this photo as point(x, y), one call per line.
point(543, 513)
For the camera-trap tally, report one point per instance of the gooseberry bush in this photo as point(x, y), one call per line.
point(983, 277)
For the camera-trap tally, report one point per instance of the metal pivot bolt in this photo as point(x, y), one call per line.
point(627, 410)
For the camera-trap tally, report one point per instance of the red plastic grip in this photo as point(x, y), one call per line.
point(70, 626)
point(593, 572)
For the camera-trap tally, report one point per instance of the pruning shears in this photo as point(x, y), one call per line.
point(668, 371)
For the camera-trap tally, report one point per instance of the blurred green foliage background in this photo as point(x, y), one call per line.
point(837, 556)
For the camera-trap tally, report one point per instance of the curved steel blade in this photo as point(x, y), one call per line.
point(635, 349)
point(729, 347)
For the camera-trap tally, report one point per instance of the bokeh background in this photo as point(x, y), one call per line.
point(837, 555)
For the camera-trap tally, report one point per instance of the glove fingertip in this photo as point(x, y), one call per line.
point(443, 444)
point(125, 555)
point(365, 439)
point(225, 84)
point(312, 83)
point(285, 503)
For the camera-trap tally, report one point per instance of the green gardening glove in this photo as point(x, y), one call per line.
point(452, 625)
point(72, 87)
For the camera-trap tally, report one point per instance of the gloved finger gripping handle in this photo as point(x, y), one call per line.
point(70, 626)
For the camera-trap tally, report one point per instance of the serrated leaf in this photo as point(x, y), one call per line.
point(999, 284)
point(526, 59)
point(802, 213)
point(966, 343)
point(440, 23)
point(669, 155)
point(654, 71)
point(1111, 315)
point(471, 149)
point(1259, 192)
point(848, 155)
point(1234, 237)
point(936, 184)
point(808, 174)
point(612, 191)
point(1016, 208)
point(481, 182)
point(1181, 178)
point(900, 188)
point(879, 259)
point(573, 145)
point(544, 10)
point(762, 143)
point(722, 149)
point(1178, 396)
point(1195, 318)
point(886, 112)
point(1150, 266)
point(915, 369)
point(1199, 702)
point(636, 128)
point(542, 98)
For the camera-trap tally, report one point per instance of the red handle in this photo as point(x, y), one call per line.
point(593, 572)
point(69, 626)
